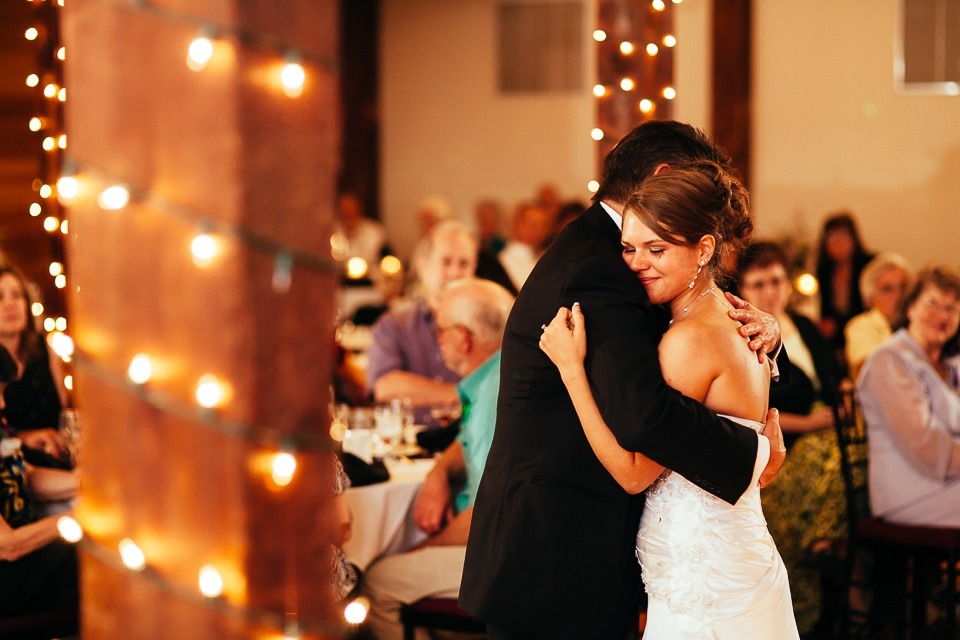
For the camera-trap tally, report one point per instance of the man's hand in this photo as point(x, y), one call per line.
point(778, 452)
point(46, 440)
point(762, 329)
point(432, 508)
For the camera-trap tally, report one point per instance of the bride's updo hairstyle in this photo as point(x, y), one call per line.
point(684, 204)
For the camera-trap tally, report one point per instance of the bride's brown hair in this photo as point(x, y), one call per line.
point(684, 204)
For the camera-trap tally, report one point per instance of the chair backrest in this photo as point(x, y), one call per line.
point(852, 439)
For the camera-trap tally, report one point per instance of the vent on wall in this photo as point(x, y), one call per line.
point(540, 46)
point(928, 60)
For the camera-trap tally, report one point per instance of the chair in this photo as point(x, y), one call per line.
point(438, 613)
point(912, 554)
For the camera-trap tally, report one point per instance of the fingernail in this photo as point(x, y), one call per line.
point(576, 304)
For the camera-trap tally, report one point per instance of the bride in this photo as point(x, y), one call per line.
point(711, 570)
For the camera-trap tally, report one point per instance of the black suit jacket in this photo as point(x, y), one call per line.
point(551, 546)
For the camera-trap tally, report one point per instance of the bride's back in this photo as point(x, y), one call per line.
point(704, 357)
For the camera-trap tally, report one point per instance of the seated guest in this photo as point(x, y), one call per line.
point(488, 215)
point(367, 238)
point(404, 359)
point(470, 319)
point(841, 258)
point(38, 571)
point(909, 392)
point(804, 507)
point(532, 225)
point(34, 400)
point(882, 285)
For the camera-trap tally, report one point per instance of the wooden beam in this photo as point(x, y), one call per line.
point(731, 113)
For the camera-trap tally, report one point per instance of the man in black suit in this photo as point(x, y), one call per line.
point(551, 547)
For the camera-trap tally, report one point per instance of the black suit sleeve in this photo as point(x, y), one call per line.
point(644, 413)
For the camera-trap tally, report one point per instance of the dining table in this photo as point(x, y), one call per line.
point(382, 513)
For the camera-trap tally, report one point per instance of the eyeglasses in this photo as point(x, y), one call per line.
point(950, 309)
point(438, 331)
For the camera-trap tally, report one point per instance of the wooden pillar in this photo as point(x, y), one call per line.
point(221, 150)
point(731, 110)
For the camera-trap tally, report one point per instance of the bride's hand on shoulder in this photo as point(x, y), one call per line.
point(564, 340)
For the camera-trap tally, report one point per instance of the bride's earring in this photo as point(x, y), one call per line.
point(697, 274)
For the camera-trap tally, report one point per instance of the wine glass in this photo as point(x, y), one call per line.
point(445, 414)
point(71, 428)
point(388, 421)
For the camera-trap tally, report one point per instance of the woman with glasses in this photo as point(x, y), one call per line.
point(804, 507)
point(909, 392)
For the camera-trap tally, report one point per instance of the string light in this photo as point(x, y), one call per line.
point(599, 35)
point(210, 581)
point(36, 124)
point(597, 133)
point(292, 77)
point(50, 224)
point(646, 106)
point(68, 188)
point(391, 266)
point(356, 611)
point(283, 468)
point(131, 555)
point(626, 48)
point(356, 268)
point(69, 529)
point(49, 144)
point(593, 186)
point(56, 268)
point(68, 382)
point(62, 141)
point(807, 284)
point(31, 33)
point(339, 246)
point(50, 90)
point(627, 84)
point(199, 53)
point(63, 227)
point(669, 93)
point(46, 191)
point(61, 343)
point(61, 325)
point(36, 309)
point(35, 209)
point(140, 369)
point(599, 90)
point(210, 392)
point(62, 53)
point(49, 324)
point(114, 198)
point(203, 249)
point(62, 94)
point(33, 80)
point(669, 40)
point(659, 5)
point(652, 49)
point(60, 281)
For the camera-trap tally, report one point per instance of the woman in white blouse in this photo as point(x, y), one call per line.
point(909, 393)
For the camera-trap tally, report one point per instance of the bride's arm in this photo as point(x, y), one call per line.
point(565, 343)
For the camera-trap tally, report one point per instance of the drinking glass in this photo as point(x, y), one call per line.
point(71, 429)
point(445, 414)
point(388, 419)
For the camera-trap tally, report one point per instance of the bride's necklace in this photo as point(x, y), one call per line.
point(683, 311)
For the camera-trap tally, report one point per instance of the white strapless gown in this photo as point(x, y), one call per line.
point(711, 569)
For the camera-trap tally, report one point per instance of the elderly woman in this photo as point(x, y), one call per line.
point(883, 284)
point(909, 392)
point(804, 507)
point(38, 571)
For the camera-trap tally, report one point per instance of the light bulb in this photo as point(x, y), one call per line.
point(35, 209)
point(132, 555)
point(114, 198)
point(62, 141)
point(199, 53)
point(140, 369)
point(62, 94)
point(669, 41)
point(46, 191)
point(339, 246)
point(599, 90)
point(210, 581)
point(597, 133)
point(33, 80)
point(60, 281)
point(626, 48)
point(807, 284)
point(68, 382)
point(391, 265)
point(68, 188)
point(36, 309)
point(356, 611)
point(599, 35)
point(49, 144)
point(356, 268)
point(31, 33)
point(55, 268)
point(627, 84)
point(49, 324)
point(69, 529)
point(292, 78)
point(284, 465)
point(50, 90)
point(36, 124)
point(669, 93)
point(63, 227)
point(646, 106)
point(61, 324)
point(203, 248)
point(61, 343)
point(652, 49)
point(593, 186)
point(62, 53)
point(209, 391)
point(50, 224)
point(659, 5)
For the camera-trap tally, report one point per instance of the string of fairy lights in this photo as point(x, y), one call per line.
point(75, 180)
point(635, 42)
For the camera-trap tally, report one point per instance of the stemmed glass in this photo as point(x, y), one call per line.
point(71, 430)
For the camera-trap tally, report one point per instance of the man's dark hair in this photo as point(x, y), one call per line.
point(651, 144)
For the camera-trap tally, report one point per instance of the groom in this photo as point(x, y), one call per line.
point(551, 546)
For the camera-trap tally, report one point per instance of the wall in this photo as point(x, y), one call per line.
point(830, 131)
point(447, 131)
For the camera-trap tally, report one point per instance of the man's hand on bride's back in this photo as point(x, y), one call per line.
point(761, 328)
point(564, 340)
point(778, 451)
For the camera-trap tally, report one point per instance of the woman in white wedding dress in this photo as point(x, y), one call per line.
point(711, 569)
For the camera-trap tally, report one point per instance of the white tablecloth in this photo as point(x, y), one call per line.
point(383, 515)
